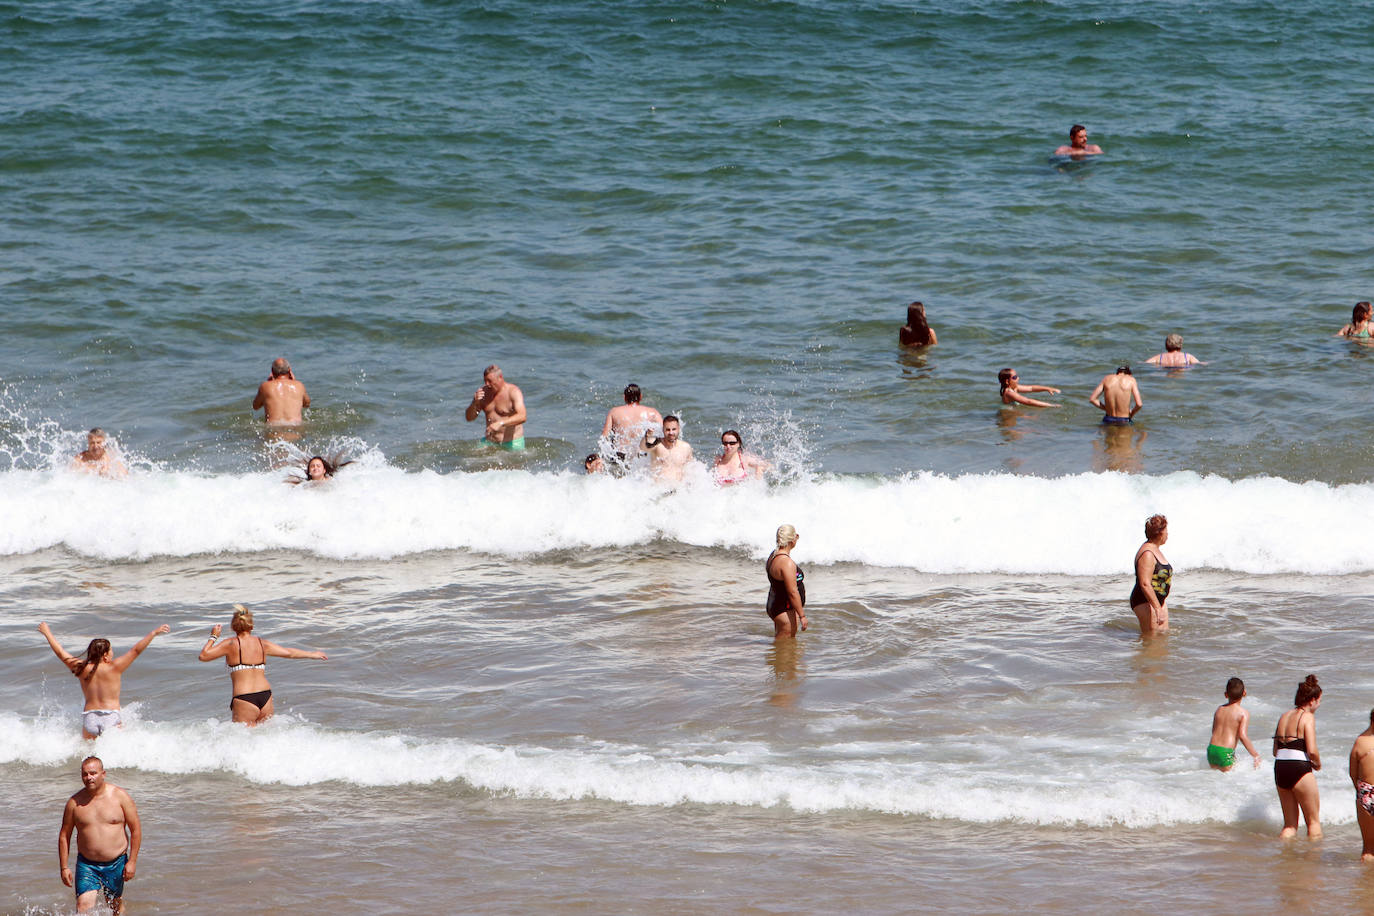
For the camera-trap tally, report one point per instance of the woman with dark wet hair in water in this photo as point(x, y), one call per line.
point(916, 332)
point(319, 468)
point(100, 674)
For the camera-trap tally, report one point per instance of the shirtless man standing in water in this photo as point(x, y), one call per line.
point(627, 423)
point(1078, 146)
point(504, 407)
point(283, 397)
point(1118, 391)
point(108, 837)
point(97, 459)
point(670, 454)
point(101, 675)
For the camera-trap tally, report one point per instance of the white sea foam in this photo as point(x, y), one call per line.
point(1049, 789)
point(1077, 525)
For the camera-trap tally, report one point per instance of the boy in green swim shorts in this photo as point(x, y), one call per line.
point(1228, 726)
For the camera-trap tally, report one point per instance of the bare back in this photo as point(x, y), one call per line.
point(628, 422)
point(284, 400)
point(100, 685)
point(1117, 391)
point(1226, 724)
point(1362, 759)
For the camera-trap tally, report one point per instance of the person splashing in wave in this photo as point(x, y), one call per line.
point(319, 468)
point(246, 657)
point(97, 459)
point(734, 464)
point(101, 675)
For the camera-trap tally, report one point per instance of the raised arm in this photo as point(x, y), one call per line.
point(271, 648)
point(211, 650)
point(124, 661)
point(67, 658)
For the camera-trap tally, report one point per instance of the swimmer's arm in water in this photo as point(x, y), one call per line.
point(67, 658)
point(271, 648)
point(1020, 398)
point(212, 649)
point(124, 661)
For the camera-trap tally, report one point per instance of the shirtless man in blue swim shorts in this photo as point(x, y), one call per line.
point(1118, 390)
point(108, 836)
point(504, 407)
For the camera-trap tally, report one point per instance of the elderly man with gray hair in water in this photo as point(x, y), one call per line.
point(282, 396)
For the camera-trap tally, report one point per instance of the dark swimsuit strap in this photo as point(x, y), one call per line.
point(241, 660)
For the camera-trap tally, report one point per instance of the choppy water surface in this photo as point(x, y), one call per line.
point(560, 692)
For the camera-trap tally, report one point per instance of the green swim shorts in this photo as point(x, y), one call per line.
point(1219, 756)
point(514, 445)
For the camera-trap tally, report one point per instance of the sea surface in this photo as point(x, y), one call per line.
point(547, 692)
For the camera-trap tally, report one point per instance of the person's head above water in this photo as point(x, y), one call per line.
point(1155, 526)
point(632, 393)
point(1123, 370)
point(916, 314)
point(1360, 312)
point(786, 536)
point(1078, 135)
point(1173, 342)
point(1308, 691)
point(1006, 377)
point(96, 652)
point(242, 621)
point(318, 469)
point(280, 367)
point(1235, 689)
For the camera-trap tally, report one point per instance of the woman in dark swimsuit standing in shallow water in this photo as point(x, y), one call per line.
point(786, 586)
point(1153, 578)
point(246, 656)
point(1296, 760)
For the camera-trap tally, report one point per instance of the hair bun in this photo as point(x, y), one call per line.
point(1311, 680)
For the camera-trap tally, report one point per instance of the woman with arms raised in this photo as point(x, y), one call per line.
point(246, 657)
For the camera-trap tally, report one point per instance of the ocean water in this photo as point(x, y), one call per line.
point(551, 692)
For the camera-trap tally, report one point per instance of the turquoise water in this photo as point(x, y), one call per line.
point(559, 691)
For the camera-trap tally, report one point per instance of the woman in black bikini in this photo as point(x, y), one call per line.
point(786, 586)
point(1153, 578)
point(246, 656)
point(1296, 759)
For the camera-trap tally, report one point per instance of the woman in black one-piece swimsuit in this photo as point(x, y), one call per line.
point(786, 586)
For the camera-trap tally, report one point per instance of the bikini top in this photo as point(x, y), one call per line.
point(261, 666)
point(726, 473)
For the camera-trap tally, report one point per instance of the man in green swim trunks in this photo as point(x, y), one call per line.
point(1229, 724)
point(504, 407)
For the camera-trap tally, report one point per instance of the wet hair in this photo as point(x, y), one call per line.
point(1361, 311)
point(632, 393)
point(1235, 689)
point(916, 320)
point(1004, 377)
point(1308, 691)
point(672, 418)
point(738, 438)
point(1075, 129)
point(97, 431)
point(242, 621)
point(280, 367)
point(587, 462)
point(1123, 370)
point(1173, 342)
point(1154, 526)
point(787, 536)
point(331, 463)
point(95, 654)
